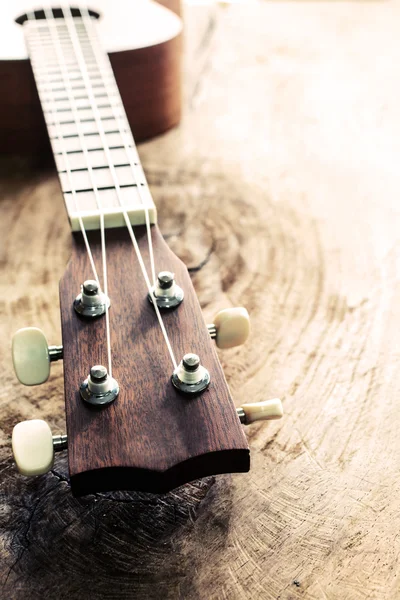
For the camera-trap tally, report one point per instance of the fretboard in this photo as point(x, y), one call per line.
point(95, 154)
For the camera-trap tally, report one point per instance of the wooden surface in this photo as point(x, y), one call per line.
point(151, 438)
point(280, 191)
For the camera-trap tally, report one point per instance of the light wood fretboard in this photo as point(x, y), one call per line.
point(93, 147)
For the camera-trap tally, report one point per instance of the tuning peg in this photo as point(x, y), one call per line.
point(260, 411)
point(166, 292)
point(231, 327)
point(32, 355)
point(34, 445)
point(91, 302)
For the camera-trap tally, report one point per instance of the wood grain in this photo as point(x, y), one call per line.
point(280, 192)
point(151, 438)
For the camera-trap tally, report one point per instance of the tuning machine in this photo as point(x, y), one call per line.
point(34, 446)
point(231, 327)
point(32, 355)
point(190, 377)
point(166, 292)
point(91, 302)
point(267, 410)
point(99, 388)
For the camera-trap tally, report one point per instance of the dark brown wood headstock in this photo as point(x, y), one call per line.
point(152, 438)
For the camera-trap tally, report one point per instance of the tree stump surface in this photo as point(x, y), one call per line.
point(280, 192)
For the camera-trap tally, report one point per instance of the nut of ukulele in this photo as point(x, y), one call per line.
point(260, 411)
point(34, 445)
point(231, 327)
point(32, 355)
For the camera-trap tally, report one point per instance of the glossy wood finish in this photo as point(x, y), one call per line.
point(152, 437)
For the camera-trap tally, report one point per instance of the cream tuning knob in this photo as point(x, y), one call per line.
point(32, 356)
point(231, 327)
point(260, 411)
point(34, 445)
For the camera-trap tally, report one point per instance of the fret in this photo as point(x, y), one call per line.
point(49, 88)
point(74, 76)
point(82, 106)
point(96, 159)
point(49, 58)
point(76, 85)
point(51, 70)
point(104, 188)
point(92, 141)
point(70, 122)
point(77, 129)
point(68, 48)
point(79, 98)
point(107, 109)
point(64, 103)
point(85, 126)
point(80, 179)
point(91, 130)
point(108, 199)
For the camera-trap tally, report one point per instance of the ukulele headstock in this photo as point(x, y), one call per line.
point(152, 437)
point(147, 404)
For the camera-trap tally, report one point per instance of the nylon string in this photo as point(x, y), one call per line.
point(78, 50)
point(53, 28)
point(92, 34)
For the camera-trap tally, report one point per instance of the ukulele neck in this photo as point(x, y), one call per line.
point(95, 154)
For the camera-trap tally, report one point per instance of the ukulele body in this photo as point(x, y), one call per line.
point(145, 53)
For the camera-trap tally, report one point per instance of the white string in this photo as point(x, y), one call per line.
point(60, 54)
point(75, 40)
point(31, 17)
point(117, 116)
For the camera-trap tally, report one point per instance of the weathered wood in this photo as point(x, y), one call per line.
point(151, 438)
point(280, 192)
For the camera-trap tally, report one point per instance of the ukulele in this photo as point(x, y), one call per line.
point(147, 404)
